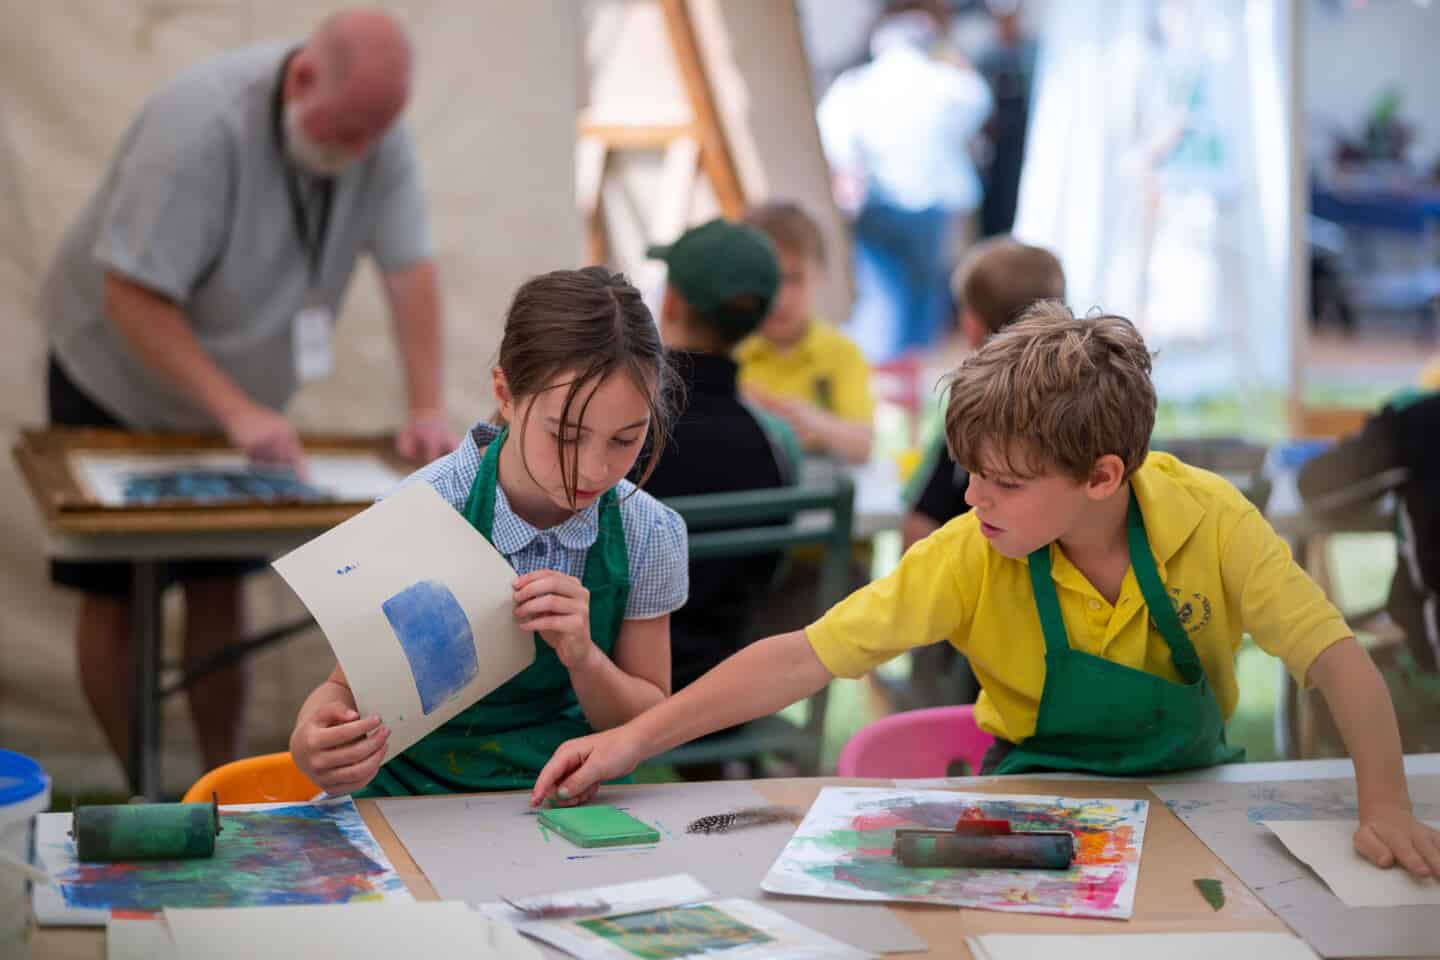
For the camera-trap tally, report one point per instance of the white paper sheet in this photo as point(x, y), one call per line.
point(1141, 946)
point(418, 607)
point(481, 848)
point(843, 851)
point(434, 931)
point(357, 477)
point(1229, 818)
point(619, 898)
point(676, 915)
point(127, 939)
point(1326, 845)
point(263, 856)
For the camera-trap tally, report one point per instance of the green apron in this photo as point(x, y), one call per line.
point(1104, 717)
point(503, 741)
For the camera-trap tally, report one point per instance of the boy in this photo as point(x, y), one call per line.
point(1074, 529)
point(722, 280)
point(997, 281)
point(803, 371)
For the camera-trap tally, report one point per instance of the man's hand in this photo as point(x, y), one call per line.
point(425, 436)
point(266, 437)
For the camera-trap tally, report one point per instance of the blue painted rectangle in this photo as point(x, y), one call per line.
point(435, 634)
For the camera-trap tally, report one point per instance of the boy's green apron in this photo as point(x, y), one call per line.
point(503, 741)
point(1104, 717)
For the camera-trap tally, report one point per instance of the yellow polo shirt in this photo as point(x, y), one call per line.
point(1228, 572)
point(1430, 376)
point(825, 368)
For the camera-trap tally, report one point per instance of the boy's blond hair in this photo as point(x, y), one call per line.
point(1053, 391)
point(1001, 277)
point(790, 228)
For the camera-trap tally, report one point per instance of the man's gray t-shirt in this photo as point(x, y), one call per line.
point(196, 206)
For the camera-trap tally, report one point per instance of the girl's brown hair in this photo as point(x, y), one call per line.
point(590, 323)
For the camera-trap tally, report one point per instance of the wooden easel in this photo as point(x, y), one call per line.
point(690, 145)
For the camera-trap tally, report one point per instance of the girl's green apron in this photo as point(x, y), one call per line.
point(1104, 717)
point(503, 741)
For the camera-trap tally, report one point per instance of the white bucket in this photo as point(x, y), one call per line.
point(24, 792)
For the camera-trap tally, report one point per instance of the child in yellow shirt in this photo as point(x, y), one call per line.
point(804, 371)
point(1099, 590)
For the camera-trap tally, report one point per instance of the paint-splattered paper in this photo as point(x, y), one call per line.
point(418, 607)
point(116, 479)
point(843, 851)
point(267, 854)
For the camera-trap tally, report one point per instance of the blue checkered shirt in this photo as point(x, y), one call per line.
point(654, 534)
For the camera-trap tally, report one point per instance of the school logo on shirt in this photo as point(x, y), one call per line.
point(1192, 609)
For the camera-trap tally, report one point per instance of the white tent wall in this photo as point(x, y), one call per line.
point(494, 115)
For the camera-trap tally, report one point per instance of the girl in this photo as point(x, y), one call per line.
point(582, 387)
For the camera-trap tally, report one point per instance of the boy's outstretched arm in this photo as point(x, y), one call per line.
point(1360, 703)
point(764, 677)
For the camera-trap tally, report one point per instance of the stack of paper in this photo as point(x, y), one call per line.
point(1141, 946)
point(435, 931)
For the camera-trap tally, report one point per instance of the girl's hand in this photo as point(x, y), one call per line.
point(1393, 835)
point(338, 749)
point(557, 606)
point(579, 766)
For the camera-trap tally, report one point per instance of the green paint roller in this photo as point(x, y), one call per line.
point(985, 844)
point(146, 831)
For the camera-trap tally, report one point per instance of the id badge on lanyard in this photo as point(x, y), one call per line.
point(313, 342)
point(312, 331)
point(314, 326)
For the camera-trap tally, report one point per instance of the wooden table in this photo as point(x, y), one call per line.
point(79, 529)
point(1166, 900)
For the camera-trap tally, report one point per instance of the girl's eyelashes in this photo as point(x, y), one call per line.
point(624, 442)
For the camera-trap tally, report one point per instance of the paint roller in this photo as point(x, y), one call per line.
point(146, 831)
point(985, 844)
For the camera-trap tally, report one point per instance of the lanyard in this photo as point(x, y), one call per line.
point(312, 235)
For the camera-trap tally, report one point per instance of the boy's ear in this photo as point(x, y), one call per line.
point(504, 401)
point(973, 328)
point(1105, 477)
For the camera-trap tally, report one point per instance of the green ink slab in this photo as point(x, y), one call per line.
point(598, 825)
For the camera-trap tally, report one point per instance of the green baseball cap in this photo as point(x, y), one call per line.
point(716, 262)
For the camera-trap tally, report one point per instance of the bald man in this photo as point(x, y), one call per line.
point(199, 287)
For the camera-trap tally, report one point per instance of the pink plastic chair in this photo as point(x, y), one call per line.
point(917, 743)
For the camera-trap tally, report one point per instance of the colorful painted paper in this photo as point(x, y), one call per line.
point(121, 479)
point(267, 854)
point(843, 851)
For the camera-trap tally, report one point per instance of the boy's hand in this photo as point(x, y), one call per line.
point(557, 606)
point(578, 768)
point(1393, 835)
point(334, 747)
